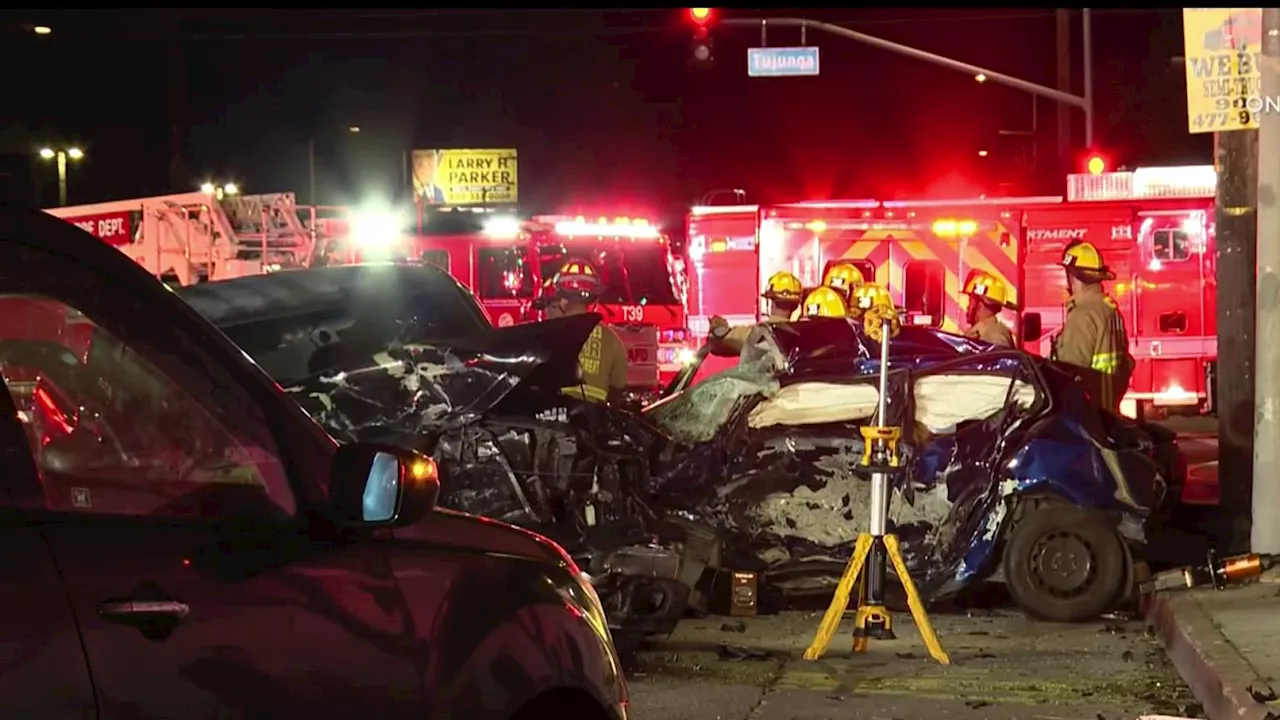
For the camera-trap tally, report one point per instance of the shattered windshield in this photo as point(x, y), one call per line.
point(634, 272)
point(697, 414)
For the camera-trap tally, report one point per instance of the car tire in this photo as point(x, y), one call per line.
point(1064, 563)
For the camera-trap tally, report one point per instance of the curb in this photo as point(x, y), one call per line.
point(1216, 672)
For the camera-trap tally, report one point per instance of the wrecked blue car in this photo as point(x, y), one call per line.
point(1010, 473)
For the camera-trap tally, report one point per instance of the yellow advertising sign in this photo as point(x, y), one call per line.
point(464, 177)
point(1222, 47)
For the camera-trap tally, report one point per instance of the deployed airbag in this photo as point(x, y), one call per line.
point(812, 403)
point(944, 401)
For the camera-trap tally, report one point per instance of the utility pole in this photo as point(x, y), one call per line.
point(1062, 26)
point(311, 170)
point(1265, 493)
point(1235, 216)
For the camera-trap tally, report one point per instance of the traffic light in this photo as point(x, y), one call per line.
point(702, 53)
point(1095, 164)
point(700, 16)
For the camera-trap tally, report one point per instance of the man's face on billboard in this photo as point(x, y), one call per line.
point(424, 167)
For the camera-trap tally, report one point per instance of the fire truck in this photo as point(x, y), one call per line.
point(508, 262)
point(1154, 227)
point(198, 236)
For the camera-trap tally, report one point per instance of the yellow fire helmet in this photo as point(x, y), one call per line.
point(869, 295)
point(1084, 259)
point(783, 285)
point(825, 302)
point(843, 277)
point(982, 284)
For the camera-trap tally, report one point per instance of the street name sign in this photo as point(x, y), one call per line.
point(782, 62)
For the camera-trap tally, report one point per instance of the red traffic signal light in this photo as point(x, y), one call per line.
point(700, 16)
point(1096, 164)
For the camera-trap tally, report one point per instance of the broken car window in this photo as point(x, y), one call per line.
point(697, 414)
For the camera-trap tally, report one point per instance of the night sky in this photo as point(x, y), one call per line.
point(602, 106)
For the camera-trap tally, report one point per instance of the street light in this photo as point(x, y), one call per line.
point(42, 30)
point(61, 155)
point(219, 191)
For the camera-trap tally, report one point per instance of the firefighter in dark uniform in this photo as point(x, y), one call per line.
point(603, 358)
point(1093, 334)
point(988, 295)
point(783, 291)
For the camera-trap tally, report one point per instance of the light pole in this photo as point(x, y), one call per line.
point(60, 156)
point(311, 162)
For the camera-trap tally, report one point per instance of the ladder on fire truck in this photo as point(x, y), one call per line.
point(194, 237)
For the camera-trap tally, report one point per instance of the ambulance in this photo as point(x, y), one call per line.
point(1154, 227)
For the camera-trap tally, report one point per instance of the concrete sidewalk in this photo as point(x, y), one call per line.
point(1226, 646)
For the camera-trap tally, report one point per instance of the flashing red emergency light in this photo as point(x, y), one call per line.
point(1096, 165)
point(634, 228)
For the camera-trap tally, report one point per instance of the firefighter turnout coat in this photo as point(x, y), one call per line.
point(991, 330)
point(1093, 337)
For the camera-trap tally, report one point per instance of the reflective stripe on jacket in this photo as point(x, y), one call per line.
point(1093, 336)
point(603, 365)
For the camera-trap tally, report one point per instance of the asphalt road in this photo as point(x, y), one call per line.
point(1006, 666)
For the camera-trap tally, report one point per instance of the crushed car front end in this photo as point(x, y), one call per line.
point(772, 469)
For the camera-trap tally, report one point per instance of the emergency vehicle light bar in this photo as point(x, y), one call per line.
point(502, 227)
point(1035, 200)
point(834, 204)
point(1186, 181)
point(620, 227)
point(722, 209)
point(950, 227)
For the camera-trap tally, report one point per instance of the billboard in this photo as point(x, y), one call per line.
point(1222, 47)
point(464, 177)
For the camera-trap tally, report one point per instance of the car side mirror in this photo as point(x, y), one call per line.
point(374, 485)
point(1031, 328)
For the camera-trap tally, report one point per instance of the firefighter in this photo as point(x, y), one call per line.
point(825, 301)
point(987, 295)
point(844, 277)
point(867, 296)
point(1093, 334)
point(783, 291)
point(603, 358)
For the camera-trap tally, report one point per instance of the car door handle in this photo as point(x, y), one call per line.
point(143, 609)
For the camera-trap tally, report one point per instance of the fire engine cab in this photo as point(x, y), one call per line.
point(508, 264)
point(1154, 227)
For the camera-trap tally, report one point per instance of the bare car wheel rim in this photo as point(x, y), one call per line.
point(1062, 564)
